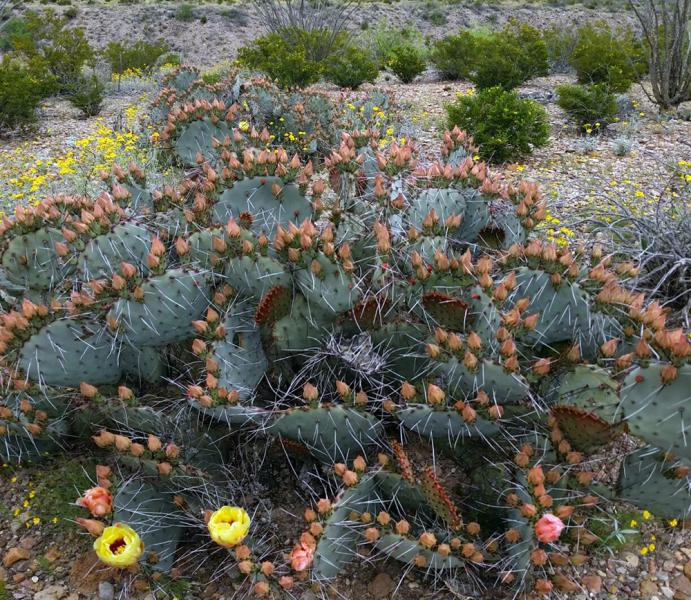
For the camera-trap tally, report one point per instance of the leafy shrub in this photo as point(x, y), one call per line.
point(384, 40)
point(285, 58)
point(51, 49)
point(503, 125)
point(454, 55)
point(560, 43)
point(19, 95)
point(615, 58)
point(185, 12)
point(14, 26)
point(407, 62)
point(506, 58)
point(70, 13)
point(591, 106)
point(139, 55)
point(351, 67)
point(87, 96)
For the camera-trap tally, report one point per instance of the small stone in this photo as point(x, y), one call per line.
point(667, 592)
point(592, 583)
point(648, 588)
point(106, 591)
point(681, 585)
point(381, 586)
point(632, 560)
point(14, 555)
point(52, 592)
point(687, 569)
point(18, 577)
point(52, 555)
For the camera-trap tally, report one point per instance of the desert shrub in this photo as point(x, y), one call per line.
point(454, 55)
point(87, 96)
point(13, 26)
point(384, 40)
point(613, 57)
point(71, 13)
point(667, 37)
point(291, 58)
point(407, 62)
point(560, 43)
point(503, 125)
point(351, 67)
point(185, 12)
point(591, 106)
point(141, 55)
point(505, 58)
point(20, 94)
point(51, 48)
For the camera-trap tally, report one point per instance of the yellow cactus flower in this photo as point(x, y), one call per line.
point(119, 546)
point(229, 525)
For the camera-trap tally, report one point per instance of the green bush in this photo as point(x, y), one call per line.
point(407, 62)
point(185, 12)
point(54, 52)
point(139, 55)
point(454, 55)
point(351, 67)
point(384, 40)
point(286, 57)
point(615, 58)
point(87, 96)
point(70, 13)
point(505, 58)
point(503, 125)
point(20, 95)
point(560, 43)
point(14, 26)
point(591, 106)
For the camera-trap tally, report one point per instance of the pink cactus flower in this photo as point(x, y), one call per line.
point(549, 528)
point(301, 557)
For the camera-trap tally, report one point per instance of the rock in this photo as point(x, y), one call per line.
point(14, 555)
point(52, 555)
point(632, 560)
point(681, 584)
point(648, 588)
point(565, 584)
point(684, 111)
point(687, 569)
point(381, 586)
point(52, 592)
point(667, 592)
point(106, 591)
point(592, 583)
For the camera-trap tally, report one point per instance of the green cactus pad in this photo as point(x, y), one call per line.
point(338, 543)
point(586, 408)
point(644, 481)
point(143, 364)
point(102, 256)
point(196, 137)
point(475, 217)
point(30, 260)
point(171, 302)
point(332, 433)
point(502, 387)
point(659, 414)
point(254, 195)
point(405, 550)
point(153, 515)
point(256, 276)
point(69, 351)
point(240, 356)
point(333, 291)
point(444, 423)
point(564, 310)
point(445, 203)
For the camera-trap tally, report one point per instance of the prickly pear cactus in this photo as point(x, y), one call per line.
point(331, 304)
